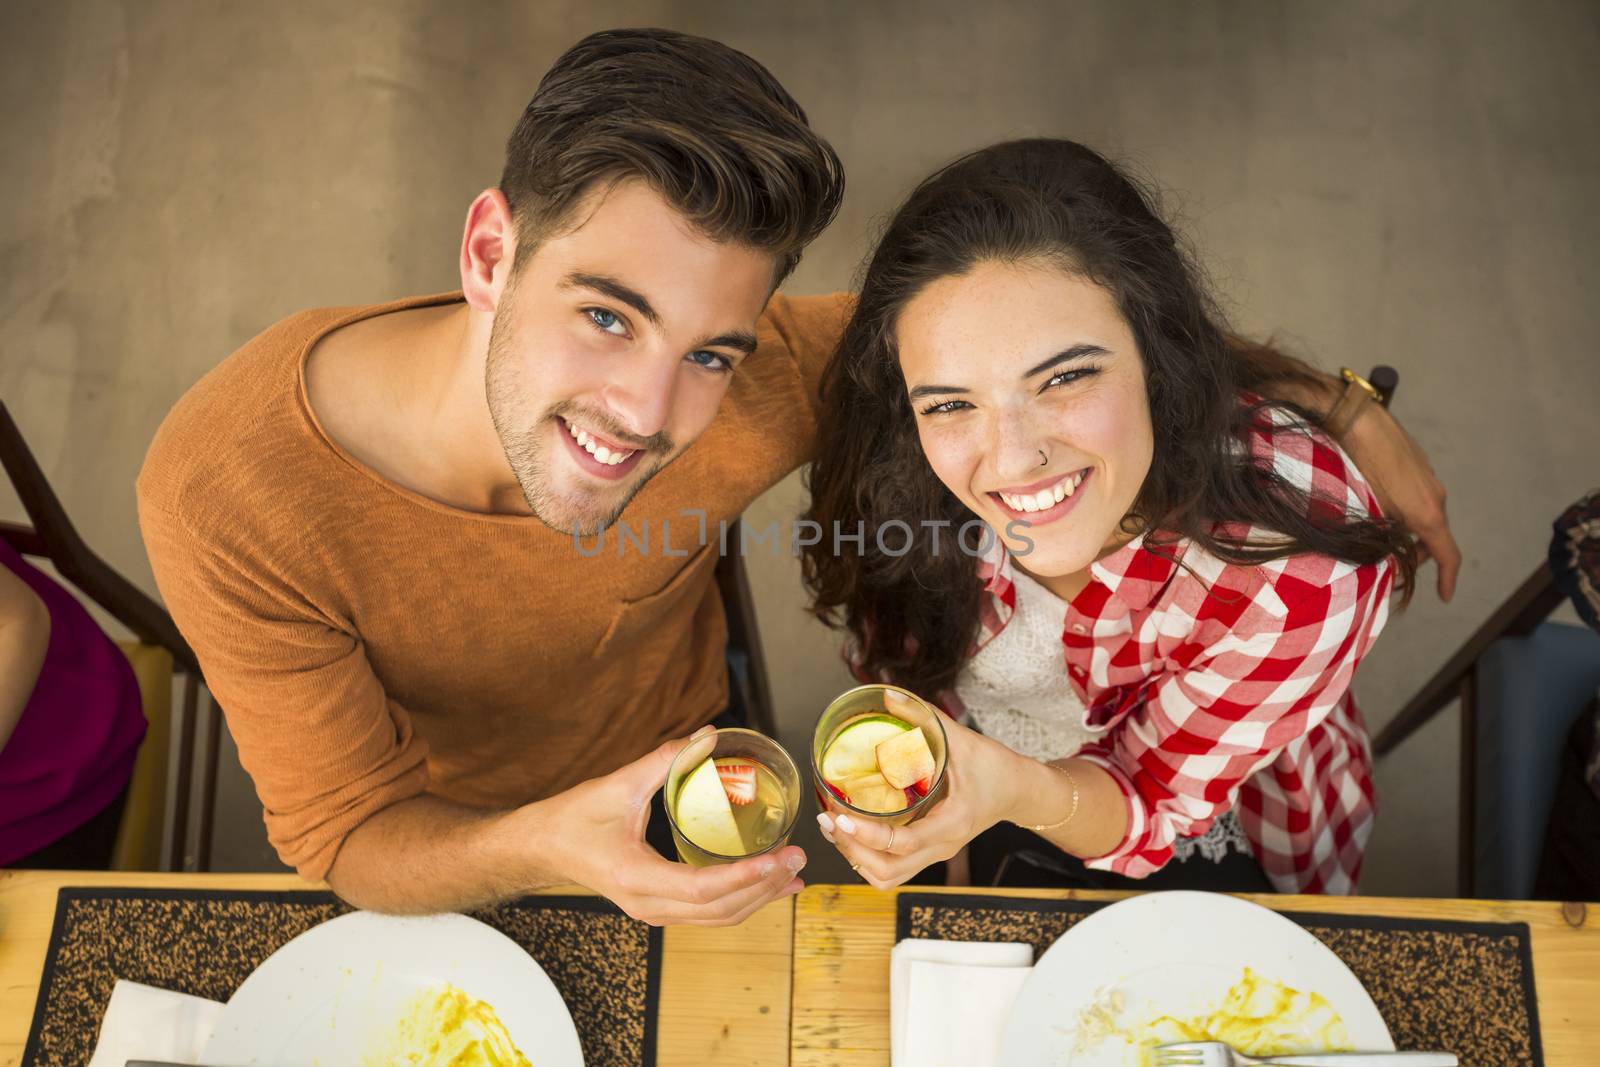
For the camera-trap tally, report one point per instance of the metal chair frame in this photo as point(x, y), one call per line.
point(1521, 613)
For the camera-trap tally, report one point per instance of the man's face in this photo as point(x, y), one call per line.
point(611, 348)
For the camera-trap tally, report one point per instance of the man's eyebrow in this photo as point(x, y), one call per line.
point(737, 340)
point(1075, 352)
point(611, 287)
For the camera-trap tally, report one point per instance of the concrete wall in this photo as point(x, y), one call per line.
point(1389, 182)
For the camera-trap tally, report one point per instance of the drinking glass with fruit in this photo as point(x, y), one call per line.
point(731, 794)
point(878, 753)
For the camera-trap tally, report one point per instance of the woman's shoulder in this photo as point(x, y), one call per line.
point(1247, 599)
point(1218, 602)
point(1308, 458)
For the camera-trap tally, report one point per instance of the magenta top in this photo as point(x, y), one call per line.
point(73, 750)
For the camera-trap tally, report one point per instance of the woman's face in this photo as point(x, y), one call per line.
point(1030, 401)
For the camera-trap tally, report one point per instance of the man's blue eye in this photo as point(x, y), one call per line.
point(604, 319)
point(710, 360)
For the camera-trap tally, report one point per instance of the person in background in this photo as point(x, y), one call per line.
point(1569, 867)
point(70, 726)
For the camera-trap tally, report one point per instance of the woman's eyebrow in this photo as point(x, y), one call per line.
point(935, 390)
point(1075, 352)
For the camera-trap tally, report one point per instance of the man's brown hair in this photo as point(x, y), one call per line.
point(706, 126)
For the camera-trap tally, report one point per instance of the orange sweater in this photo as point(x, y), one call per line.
point(368, 644)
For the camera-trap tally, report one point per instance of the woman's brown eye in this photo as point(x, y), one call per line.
point(1068, 376)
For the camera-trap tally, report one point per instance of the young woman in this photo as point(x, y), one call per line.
point(1155, 649)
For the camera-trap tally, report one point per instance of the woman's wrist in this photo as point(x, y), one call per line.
point(1072, 809)
point(1074, 804)
point(1042, 795)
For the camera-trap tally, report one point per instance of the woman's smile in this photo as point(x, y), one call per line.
point(1043, 502)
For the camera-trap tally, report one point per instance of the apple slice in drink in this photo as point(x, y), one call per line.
point(905, 758)
point(872, 792)
point(704, 815)
point(853, 752)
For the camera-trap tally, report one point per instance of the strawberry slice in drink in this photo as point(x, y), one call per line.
point(738, 781)
point(917, 790)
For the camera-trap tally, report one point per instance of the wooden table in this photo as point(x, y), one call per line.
point(842, 937)
point(724, 993)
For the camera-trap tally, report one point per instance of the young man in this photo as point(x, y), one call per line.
point(364, 520)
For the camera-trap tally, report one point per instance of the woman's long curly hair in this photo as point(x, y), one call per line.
point(914, 617)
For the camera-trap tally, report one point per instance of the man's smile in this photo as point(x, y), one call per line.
point(597, 454)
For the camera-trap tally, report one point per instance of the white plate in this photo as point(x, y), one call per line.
point(1175, 952)
point(323, 999)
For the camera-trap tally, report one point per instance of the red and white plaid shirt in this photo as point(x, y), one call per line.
point(1227, 687)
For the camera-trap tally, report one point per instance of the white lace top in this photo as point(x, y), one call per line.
point(1016, 690)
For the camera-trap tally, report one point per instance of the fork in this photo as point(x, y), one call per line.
point(1217, 1054)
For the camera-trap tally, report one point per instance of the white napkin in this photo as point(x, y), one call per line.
point(948, 1000)
point(153, 1024)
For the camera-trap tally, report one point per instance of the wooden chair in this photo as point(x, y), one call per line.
point(159, 794)
point(747, 668)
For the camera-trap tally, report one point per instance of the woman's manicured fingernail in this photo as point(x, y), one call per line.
point(796, 862)
point(846, 824)
point(825, 821)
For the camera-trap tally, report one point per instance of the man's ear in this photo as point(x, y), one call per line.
point(488, 250)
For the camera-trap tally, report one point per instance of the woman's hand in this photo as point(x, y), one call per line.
point(982, 776)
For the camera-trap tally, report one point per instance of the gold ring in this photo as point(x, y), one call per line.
point(890, 846)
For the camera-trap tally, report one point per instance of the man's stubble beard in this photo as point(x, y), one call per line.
point(525, 453)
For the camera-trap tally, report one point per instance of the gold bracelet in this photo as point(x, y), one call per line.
point(1357, 394)
point(1355, 379)
point(1074, 782)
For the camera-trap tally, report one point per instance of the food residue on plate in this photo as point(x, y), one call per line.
point(1258, 1016)
point(446, 1028)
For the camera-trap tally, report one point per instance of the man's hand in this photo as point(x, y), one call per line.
point(425, 855)
point(1406, 487)
point(597, 829)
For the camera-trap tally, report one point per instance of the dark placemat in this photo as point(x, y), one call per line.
point(1466, 987)
point(206, 942)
